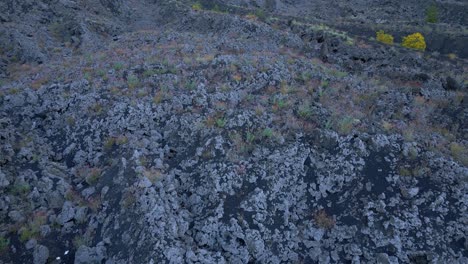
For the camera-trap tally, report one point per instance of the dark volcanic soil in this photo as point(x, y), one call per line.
point(149, 131)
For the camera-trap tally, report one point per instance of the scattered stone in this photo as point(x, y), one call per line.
point(3, 180)
point(451, 84)
point(67, 214)
point(41, 254)
point(16, 216)
point(86, 255)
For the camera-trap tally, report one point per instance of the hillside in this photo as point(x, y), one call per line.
point(150, 131)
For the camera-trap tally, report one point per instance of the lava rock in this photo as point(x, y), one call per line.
point(41, 254)
point(451, 84)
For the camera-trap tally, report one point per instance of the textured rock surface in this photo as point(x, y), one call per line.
point(172, 135)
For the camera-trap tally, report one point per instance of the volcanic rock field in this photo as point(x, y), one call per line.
point(261, 131)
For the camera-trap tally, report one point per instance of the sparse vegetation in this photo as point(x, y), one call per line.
point(260, 113)
point(32, 228)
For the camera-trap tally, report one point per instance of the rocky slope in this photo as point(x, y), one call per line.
point(228, 132)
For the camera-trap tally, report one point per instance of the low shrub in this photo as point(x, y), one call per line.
point(414, 41)
point(384, 38)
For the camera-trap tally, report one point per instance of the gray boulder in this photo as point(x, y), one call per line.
point(85, 255)
point(41, 254)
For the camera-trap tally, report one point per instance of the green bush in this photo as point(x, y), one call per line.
point(432, 14)
point(197, 7)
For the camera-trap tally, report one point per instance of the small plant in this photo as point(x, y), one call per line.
point(452, 56)
point(432, 14)
point(260, 14)
point(148, 73)
point(323, 220)
point(304, 111)
point(32, 229)
point(404, 172)
point(159, 97)
point(210, 121)
point(4, 243)
point(93, 176)
point(220, 122)
point(384, 38)
point(237, 77)
point(109, 143)
point(88, 77)
point(225, 88)
point(21, 189)
point(190, 86)
point(128, 199)
point(345, 125)
point(267, 132)
point(118, 66)
point(217, 9)
point(459, 153)
point(39, 82)
point(324, 83)
point(279, 104)
point(339, 74)
point(78, 241)
point(97, 108)
point(414, 41)
point(197, 7)
point(132, 81)
point(250, 137)
point(28, 232)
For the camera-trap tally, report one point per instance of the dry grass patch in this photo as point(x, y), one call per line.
point(324, 220)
